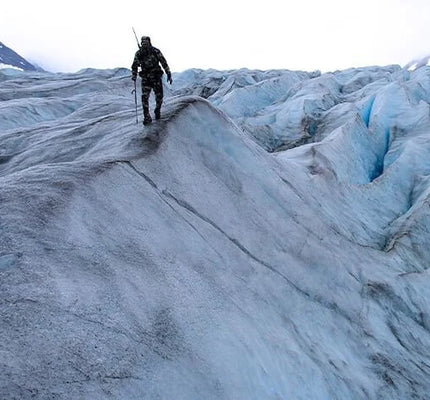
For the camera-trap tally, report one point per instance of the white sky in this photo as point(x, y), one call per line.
point(223, 34)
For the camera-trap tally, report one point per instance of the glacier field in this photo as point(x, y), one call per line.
point(268, 238)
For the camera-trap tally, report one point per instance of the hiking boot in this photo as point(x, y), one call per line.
point(147, 120)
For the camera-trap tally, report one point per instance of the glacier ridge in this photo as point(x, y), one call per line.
point(267, 238)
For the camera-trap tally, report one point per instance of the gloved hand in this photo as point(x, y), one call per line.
point(169, 78)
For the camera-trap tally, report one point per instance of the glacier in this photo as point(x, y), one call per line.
point(268, 238)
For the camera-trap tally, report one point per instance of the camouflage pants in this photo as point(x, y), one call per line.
point(157, 86)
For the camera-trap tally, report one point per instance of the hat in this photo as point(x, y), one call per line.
point(145, 39)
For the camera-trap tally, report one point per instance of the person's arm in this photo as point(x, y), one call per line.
point(134, 67)
point(165, 66)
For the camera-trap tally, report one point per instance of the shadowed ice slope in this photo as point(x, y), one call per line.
point(182, 260)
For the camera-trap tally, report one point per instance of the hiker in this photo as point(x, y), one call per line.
point(149, 59)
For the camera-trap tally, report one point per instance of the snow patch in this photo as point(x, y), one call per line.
point(4, 66)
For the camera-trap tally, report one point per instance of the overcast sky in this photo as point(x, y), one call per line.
point(222, 34)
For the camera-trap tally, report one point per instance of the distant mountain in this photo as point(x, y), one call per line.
point(8, 58)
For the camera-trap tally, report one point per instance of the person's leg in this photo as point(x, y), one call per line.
point(146, 91)
point(158, 91)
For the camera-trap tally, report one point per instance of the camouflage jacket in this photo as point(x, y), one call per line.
point(149, 61)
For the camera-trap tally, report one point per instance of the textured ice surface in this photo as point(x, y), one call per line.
point(267, 241)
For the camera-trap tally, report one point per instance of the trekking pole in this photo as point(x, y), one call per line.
point(137, 40)
point(135, 100)
point(135, 93)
